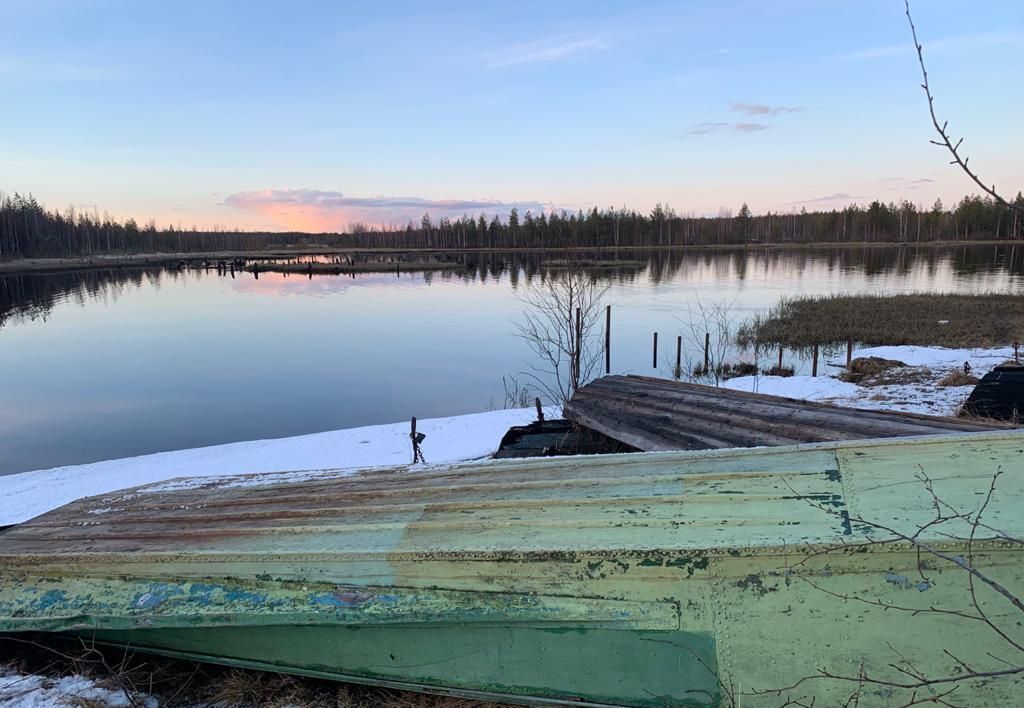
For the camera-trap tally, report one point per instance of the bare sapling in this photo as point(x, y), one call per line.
point(562, 324)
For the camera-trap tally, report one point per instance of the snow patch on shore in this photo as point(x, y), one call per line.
point(18, 690)
point(453, 439)
point(927, 365)
point(981, 360)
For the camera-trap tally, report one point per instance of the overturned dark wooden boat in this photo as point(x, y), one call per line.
point(999, 395)
point(659, 414)
point(662, 579)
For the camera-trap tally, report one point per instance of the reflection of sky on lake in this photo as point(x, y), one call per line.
point(169, 360)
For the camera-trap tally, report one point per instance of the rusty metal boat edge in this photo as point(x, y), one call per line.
point(726, 577)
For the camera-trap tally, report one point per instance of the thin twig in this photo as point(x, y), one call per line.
point(946, 142)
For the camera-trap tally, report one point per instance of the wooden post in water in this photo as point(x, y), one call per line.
point(707, 351)
point(608, 340)
point(678, 371)
point(849, 353)
point(814, 361)
point(655, 357)
point(579, 347)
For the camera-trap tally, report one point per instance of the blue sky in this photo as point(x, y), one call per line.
point(314, 114)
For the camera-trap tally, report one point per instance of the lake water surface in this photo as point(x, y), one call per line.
point(108, 364)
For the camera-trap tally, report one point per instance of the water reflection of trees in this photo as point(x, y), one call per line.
point(32, 296)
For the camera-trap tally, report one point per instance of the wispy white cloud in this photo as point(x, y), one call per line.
point(759, 109)
point(703, 128)
point(903, 184)
point(836, 197)
point(52, 70)
point(321, 210)
point(547, 50)
point(963, 41)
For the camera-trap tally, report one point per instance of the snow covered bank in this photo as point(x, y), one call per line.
point(466, 437)
point(458, 438)
point(18, 690)
point(919, 395)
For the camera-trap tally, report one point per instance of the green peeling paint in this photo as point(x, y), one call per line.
point(639, 580)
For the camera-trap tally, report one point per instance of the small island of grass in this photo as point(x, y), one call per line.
point(942, 320)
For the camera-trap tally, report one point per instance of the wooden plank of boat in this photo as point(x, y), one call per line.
point(647, 579)
point(657, 414)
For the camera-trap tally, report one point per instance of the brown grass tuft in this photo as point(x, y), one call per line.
point(864, 369)
point(873, 365)
point(957, 377)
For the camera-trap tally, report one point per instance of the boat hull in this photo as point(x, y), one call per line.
point(725, 578)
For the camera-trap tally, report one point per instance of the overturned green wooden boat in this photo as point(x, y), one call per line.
point(731, 577)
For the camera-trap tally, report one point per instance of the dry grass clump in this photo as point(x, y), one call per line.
point(868, 367)
point(947, 320)
point(873, 365)
point(243, 688)
point(726, 371)
point(958, 377)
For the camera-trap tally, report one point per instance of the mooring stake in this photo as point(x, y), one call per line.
point(417, 438)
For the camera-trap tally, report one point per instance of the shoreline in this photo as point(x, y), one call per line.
point(463, 437)
point(145, 260)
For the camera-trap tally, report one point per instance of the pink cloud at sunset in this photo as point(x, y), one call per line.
point(316, 210)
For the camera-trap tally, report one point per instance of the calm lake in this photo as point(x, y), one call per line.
point(105, 364)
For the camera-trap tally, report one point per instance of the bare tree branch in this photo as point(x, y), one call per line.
point(941, 128)
point(925, 689)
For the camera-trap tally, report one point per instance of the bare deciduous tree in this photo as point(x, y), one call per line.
point(561, 325)
point(709, 323)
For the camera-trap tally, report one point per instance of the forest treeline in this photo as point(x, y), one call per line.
point(29, 230)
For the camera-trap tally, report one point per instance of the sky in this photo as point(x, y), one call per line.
point(314, 115)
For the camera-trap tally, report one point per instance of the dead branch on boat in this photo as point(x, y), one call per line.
point(906, 676)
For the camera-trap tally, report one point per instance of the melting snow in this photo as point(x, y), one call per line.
point(18, 690)
point(339, 452)
point(921, 396)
